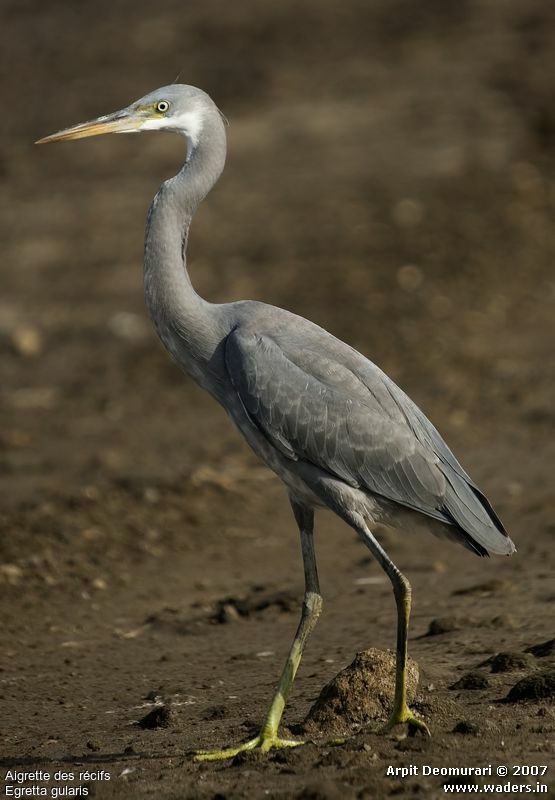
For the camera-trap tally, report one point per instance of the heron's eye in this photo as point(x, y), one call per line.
point(162, 106)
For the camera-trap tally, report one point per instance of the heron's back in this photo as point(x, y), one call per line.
point(319, 402)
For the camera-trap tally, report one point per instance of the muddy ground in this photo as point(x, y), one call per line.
point(391, 174)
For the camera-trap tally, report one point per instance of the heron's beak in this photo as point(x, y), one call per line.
point(119, 122)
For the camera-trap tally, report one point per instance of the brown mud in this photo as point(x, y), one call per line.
point(391, 175)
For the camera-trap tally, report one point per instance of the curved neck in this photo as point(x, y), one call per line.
point(184, 321)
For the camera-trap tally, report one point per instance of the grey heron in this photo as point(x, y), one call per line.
point(338, 432)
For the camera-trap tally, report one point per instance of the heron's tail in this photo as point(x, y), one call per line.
point(471, 511)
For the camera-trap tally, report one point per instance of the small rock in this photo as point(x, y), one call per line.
point(216, 712)
point(471, 681)
point(10, 573)
point(126, 772)
point(507, 662)
point(466, 728)
point(360, 693)
point(542, 650)
point(533, 687)
point(501, 621)
point(26, 341)
point(443, 625)
point(160, 717)
point(152, 495)
point(230, 609)
point(91, 745)
point(227, 612)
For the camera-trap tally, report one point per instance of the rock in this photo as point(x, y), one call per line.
point(10, 573)
point(534, 687)
point(443, 625)
point(359, 694)
point(500, 621)
point(542, 650)
point(471, 681)
point(92, 745)
point(466, 728)
point(26, 341)
point(231, 609)
point(507, 662)
point(227, 611)
point(159, 717)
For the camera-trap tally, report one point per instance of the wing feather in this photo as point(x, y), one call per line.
point(307, 419)
point(344, 415)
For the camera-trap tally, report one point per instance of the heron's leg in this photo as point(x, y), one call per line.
point(401, 588)
point(312, 606)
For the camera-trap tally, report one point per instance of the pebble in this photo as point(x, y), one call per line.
point(11, 573)
point(26, 341)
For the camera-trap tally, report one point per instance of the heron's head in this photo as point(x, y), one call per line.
point(177, 108)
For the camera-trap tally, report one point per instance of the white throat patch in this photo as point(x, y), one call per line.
point(190, 124)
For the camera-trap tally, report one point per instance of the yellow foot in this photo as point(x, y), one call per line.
point(406, 717)
point(260, 742)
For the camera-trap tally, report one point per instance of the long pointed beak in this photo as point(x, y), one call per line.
point(119, 122)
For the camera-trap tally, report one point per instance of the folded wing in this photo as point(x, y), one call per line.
point(346, 417)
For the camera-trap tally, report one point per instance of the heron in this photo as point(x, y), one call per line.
point(338, 432)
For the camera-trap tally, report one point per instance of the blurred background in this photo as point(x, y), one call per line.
point(391, 175)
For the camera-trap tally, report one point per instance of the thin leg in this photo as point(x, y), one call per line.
point(312, 606)
point(401, 588)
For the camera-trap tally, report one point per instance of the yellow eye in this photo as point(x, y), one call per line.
point(162, 106)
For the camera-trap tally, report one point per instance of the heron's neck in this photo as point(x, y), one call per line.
point(187, 324)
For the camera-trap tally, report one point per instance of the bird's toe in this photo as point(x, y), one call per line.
point(260, 742)
point(405, 716)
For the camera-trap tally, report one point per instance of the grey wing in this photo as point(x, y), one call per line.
point(357, 433)
point(463, 501)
